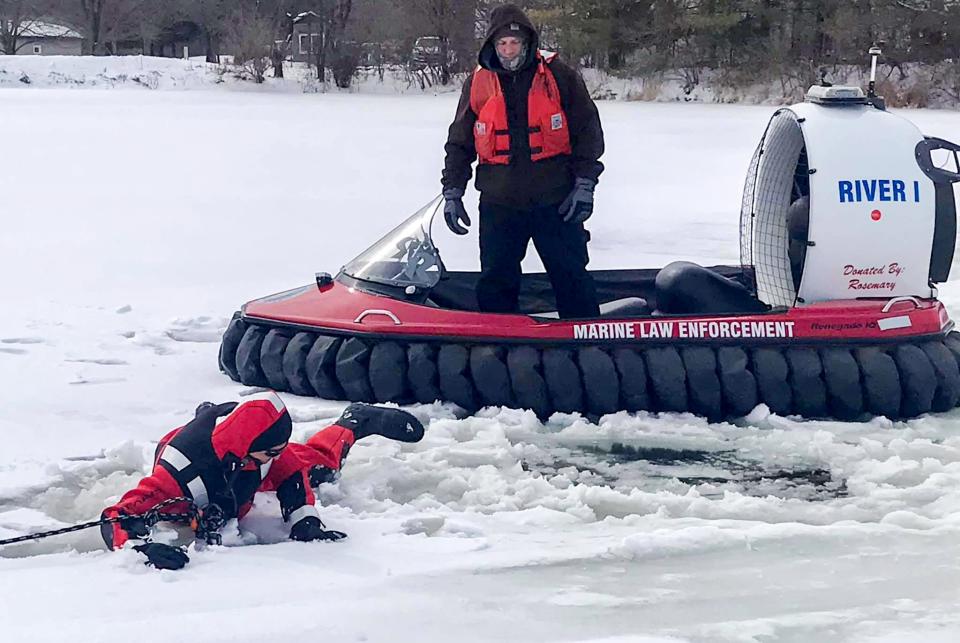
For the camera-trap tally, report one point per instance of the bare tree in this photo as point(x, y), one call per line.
point(282, 33)
point(92, 11)
point(345, 56)
point(380, 26)
point(250, 36)
point(211, 16)
point(328, 48)
point(106, 21)
point(453, 23)
point(20, 24)
point(280, 13)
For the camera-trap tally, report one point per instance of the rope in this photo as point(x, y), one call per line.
point(150, 517)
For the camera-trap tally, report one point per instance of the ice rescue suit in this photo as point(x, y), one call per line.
point(206, 461)
point(534, 130)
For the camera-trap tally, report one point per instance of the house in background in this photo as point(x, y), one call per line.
point(307, 37)
point(48, 39)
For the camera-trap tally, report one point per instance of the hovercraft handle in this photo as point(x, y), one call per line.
point(945, 208)
point(898, 300)
point(370, 311)
point(923, 152)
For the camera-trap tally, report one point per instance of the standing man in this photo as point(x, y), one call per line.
point(530, 121)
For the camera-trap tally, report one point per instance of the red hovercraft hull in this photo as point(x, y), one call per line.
point(841, 359)
point(341, 309)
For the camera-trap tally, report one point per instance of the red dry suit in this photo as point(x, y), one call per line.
point(206, 461)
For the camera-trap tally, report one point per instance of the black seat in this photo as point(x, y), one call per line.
point(626, 307)
point(686, 288)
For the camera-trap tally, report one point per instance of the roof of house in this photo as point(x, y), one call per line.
point(306, 16)
point(37, 29)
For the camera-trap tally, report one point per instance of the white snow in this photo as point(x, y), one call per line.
point(134, 223)
point(150, 72)
point(921, 85)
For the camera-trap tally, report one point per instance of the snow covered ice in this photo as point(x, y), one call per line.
point(134, 223)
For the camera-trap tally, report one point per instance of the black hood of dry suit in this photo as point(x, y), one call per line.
point(524, 183)
point(501, 18)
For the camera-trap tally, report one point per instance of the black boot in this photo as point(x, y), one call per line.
point(365, 419)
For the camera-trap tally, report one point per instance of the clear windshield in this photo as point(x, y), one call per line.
point(405, 257)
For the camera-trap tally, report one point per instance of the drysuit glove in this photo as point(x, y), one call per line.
point(122, 527)
point(203, 407)
point(578, 206)
point(312, 528)
point(319, 475)
point(163, 556)
point(453, 211)
point(135, 526)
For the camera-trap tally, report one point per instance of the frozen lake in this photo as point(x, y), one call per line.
point(134, 223)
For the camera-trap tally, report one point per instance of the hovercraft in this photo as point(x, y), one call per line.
point(847, 224)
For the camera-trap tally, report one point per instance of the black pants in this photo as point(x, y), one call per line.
point(505, 233)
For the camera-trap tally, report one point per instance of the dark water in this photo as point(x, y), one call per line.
point(712, 472)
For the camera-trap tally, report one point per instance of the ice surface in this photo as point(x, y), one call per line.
point(133, 225)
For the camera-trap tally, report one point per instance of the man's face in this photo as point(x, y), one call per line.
point(509, 47)
point(262, 457)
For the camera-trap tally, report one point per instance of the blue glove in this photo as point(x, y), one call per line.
point(453, 211)
point(578, 206)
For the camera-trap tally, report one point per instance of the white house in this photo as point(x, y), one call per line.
point(48, 39)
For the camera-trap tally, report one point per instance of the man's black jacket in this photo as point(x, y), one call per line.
point(524, 183)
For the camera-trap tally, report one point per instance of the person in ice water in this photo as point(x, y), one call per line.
point(528, 118)
point(228, 452)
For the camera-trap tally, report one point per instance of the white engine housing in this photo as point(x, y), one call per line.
point(872, 209)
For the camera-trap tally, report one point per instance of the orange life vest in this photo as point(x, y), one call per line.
point(546, 120)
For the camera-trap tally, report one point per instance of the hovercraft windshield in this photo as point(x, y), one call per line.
point(404, 258)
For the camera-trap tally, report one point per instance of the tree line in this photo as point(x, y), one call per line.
point(755, 39)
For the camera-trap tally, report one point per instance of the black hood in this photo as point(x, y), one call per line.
point(504, 16)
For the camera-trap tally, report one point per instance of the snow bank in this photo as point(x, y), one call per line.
point(109, 72)
point(149, 72)
point(911, 85)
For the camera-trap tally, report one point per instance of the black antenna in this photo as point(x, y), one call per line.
point(823, 78)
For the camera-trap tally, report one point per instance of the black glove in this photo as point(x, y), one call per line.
point(318, 475)
point(135, 526)
point(312, 528)
point(578, 206)
point(203, 406)
point(123, 528)
point(163, 556)
point(210, 407)
point(453, 211)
